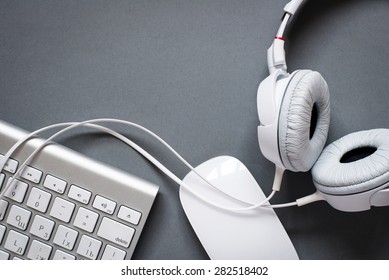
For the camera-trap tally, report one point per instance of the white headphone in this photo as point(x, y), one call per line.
point(352, 173)
point(294, 120)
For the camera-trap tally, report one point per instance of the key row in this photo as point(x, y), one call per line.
point(62, 209)
point(29, 173)
point(88, 247)
point(85, 219)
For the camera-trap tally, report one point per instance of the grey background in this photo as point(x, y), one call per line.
point(189, 71)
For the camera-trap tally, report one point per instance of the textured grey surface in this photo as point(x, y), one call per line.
point(189, 71)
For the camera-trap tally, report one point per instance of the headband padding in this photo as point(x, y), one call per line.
point(331, 176)
point(305, 90)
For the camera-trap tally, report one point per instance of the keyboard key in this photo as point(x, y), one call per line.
point(2, 177)
point(129, 215)
point(3, 208)
point(3, 255)
point(65, 237)
point(42, 227)
point(104, 204)
point(11, 165)
point(62, 209)
point(55, 184)
point(39, 251)
point(113, 253)
point(56, 208)
point(39, 200)
point(17, 190)
point(79, 194)
point(86, 219)
point(89, 247)
point(31, 174)
point(2, 232)
point(18, 217)
point(116, 232)
point(16, 242)
point(61, 255)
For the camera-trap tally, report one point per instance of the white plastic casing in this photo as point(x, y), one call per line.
point(276, 56)
point(269, 99)
point(255, 234)
point(359, 201)
point(292, 6)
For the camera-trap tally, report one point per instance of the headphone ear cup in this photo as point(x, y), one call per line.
point(355, 163)
point(304, 120)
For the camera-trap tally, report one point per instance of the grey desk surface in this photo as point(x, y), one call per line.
point(189, 71)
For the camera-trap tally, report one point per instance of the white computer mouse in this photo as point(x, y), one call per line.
point(253, 234)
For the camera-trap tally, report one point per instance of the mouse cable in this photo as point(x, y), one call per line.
point(91, 123)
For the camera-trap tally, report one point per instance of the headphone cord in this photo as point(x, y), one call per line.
point(92, 124)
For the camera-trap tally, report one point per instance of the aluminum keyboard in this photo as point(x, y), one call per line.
point(66, 206)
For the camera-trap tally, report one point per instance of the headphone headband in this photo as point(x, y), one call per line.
point(292, 6)
point(276, 53)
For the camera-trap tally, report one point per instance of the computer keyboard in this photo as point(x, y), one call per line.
point(66, 206)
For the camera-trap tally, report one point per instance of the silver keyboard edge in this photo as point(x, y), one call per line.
point(66, 163)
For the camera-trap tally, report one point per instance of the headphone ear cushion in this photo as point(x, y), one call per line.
point(334, 172)
point(304, 120)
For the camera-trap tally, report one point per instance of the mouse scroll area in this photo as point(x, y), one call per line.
point(236, 235)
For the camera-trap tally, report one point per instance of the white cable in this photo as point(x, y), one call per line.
point(124, 139)
point(284, 23)
point(71, 125)
point(140, 150)
point(283, 205)
point(107, 130)
point(90, 123)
